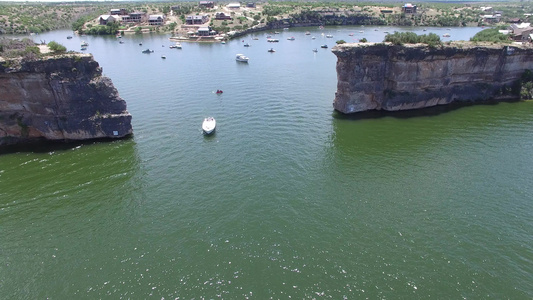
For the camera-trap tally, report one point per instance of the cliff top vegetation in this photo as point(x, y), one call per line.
point(13, 51)
point(14, 48)
point(491, 35)
point(400, 38)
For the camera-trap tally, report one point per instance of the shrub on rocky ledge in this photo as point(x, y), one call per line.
point(15, 48)
point(56, 47)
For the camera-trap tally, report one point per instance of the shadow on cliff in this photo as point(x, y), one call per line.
point(413, 113)
point(44, 146)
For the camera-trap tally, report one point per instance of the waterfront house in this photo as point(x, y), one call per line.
point(222, 16)
point(208, 4)
point(135, 17)
point(118, 12)
point(491, 19)
point(156, 20)
point(520, 32)
point(409, 8)
point(193, 20)
point(250, 4)
point(106, 19)
point(205, 31)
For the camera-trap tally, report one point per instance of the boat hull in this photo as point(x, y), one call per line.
point(209, 125)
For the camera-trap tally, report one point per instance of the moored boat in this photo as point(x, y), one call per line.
point(209, 125)
point(241, 57)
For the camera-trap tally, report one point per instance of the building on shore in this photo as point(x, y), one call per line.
point(196, 20)
point(409, 8)
point(156, 20)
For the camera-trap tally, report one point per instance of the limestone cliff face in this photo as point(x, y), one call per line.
point(390, 77)
point(59, 98)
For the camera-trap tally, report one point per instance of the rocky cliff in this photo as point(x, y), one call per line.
point(59, 98)
point(391, 77)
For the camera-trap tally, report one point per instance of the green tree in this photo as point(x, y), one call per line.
point(56, 47)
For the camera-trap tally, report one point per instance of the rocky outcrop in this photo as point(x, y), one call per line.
point(59, 98)
point(391, 77)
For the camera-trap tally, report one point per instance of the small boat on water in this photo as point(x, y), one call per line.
point(315, 50)
point(84, 44)
point(241, 57)
point(307, 33)
point(272, 40)
point(329, 36)
point(121, 42)
point(69, 37)
point(219, 92)
point(147, 51)
point(175, 46)
point(291, 38)
point(209, 125)
point(246, 45)
point(271, 50)
point(163, 57)
point(446, 35)
point(324, 46)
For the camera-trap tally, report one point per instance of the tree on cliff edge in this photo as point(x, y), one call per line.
point(56, 47)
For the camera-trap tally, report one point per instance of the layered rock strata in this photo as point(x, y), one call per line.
point(59, 98)
point(391, 77)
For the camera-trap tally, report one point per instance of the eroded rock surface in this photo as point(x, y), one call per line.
point(391, 77)
point(59, 98)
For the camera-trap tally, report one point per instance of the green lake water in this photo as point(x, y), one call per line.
point(287, 199)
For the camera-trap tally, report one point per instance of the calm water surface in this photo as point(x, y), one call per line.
point(288, 199)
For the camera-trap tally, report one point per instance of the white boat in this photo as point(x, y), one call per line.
point(329, 36)
point(291, 38)
point(84, 44)
point(178, 45)
point(209, 124)
point(241, 57)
